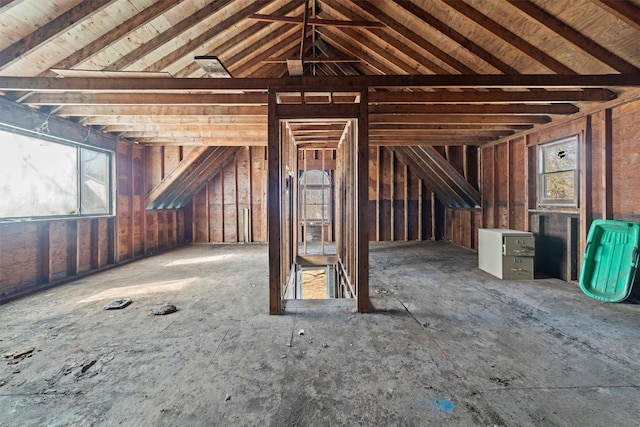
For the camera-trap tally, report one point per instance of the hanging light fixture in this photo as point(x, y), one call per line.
point(213, 66)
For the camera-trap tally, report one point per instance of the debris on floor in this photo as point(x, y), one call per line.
point(301, 332)
point(162, 310)
point(118, 304)
point(19, 353)
point(16, 356)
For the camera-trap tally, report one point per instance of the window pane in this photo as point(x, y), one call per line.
point(558, 157)
point(315, 177)
point(37, 177)
point(559, 185)
point(95, 182)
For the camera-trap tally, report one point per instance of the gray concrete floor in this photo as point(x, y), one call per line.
point(449, 345)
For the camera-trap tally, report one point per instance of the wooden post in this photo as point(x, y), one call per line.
point(606, 145)
point(378, 179)
point(527, 187)
point(393, 195)
point(406, 203)
point(419, 210)
point(572, 258)
point(45, 252)
point(509, 145)
point(585, 185)
point(362, 144)
point(494, 178)
point(274, 202)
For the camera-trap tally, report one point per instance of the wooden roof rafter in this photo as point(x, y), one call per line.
point(53, 28)
point(372, 10)
point(196, 43)
point(623, 10)
point(166, 36)
point(390, 39)
point(239, 42)
point(573, 36)
point(514, 40)
point(457, 37)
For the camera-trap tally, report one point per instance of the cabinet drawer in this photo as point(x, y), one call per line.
point(519, 246)
point(517, 267)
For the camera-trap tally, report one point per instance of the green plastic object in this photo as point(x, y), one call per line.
point(610, 260)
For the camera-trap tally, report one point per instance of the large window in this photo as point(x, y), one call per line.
point(558, 173)
point(43, 178)
point(315, 186)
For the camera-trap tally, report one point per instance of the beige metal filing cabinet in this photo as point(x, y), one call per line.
point(507, 254)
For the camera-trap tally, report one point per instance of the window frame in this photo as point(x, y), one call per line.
point(78, 147)
point(543, 201)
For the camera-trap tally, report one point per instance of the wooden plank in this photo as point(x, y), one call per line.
point(317, 21)
point(419, 210)
point(406, 202)
point(51, 29)
point(8, 4)
point(362, 197)
point(392, 175)
point(166, 36)
point(274, 208)
point(508, 182)
point(623, 10)
point(116, 34)
point(72, 247)
point(328, 111)
point(606, 168)
point(495, 221)
point(22, 117)
point(526, 190)
point(163, 113)
point(195, 178)
point(306, 83)
point(378, 190)
point(441, 109)
point(44, 252)
point(414, 37)
point(513, 39)
point(586, 192)
point(459, 38)
point(173, 176)
point(455, 118)
point(492, 97)
point(84, 244)
point(195, 43)
point(150, 99)
point(575, 37)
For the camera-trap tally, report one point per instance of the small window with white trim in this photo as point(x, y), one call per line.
point(558, 173)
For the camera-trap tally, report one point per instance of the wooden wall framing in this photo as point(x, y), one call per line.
point(352, 183)
point(609, 172)
point(43, 253)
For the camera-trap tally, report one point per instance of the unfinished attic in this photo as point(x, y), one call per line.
point(349, 151)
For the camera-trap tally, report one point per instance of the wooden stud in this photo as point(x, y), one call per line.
point(406, 202)
point(508, 181)
point(606, 167)
point(274, 207)
point(526, 190)
point(494, 178)
point(362, 238)
point(379, 151)
point(72, 248)
point(44, 252)
point(419, 209)
point(585, 183)
point(392, 174)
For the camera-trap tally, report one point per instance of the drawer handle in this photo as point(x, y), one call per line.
point(518, 269)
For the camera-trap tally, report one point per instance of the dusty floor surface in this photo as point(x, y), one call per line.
point(449, 346)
